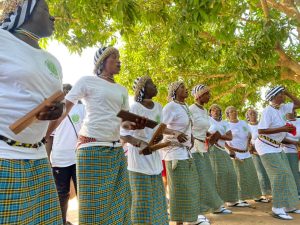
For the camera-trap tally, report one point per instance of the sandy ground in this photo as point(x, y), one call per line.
point(258, 214)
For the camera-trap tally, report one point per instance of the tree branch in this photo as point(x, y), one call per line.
point(289, 9)
point(230, 91)
point(286, 61)
point(265, 8)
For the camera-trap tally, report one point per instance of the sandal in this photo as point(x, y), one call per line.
point(240, 204)
point(262, 200)
point(296, 211)
point(223, 210)
point(281, 216)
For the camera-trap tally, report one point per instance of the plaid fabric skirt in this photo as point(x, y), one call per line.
point(284, 189)
point(248, 184)
point(264, 182)
point(293, 161)
point(225, 175)
point(184, 190)
point(148, 199)
point(209, 197)
point(103, 186)
point(27, 193)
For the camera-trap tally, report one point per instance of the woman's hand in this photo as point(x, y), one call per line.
point(287, 128)
point(139, 124)
point(182, 138)
point(52, 111)
point(145, 148)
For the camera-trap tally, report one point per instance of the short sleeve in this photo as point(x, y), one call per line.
point(212, 129)
point(168, 115)
point(266, 119)
point(78, 91)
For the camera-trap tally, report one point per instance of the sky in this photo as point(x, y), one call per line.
point(74, 66)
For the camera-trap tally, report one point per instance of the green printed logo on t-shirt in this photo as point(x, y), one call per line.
point(52, 68)
point(284, 117)
point(157, 118)
point(245, 129)
point(75, 118)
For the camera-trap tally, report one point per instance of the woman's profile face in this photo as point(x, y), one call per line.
point(150, 88)
point(40, 22)
point(112, 64)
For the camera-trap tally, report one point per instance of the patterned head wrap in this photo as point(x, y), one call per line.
point(227, 110)
point(273, 92)
point(199, 90)
point(139, 88)
point(173, 87)
point(101, 55)
point(15, 13)
point(247, 114)
point(213, 106)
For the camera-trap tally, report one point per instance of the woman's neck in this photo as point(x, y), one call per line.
point(253, 122)
point(181, 102)
point(233, 120)
point(27, 40)
point(107, 76)
point(148, 103)
point(200, 105)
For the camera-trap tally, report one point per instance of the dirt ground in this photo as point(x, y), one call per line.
point(258, 214)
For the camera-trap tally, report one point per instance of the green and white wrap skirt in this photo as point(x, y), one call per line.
point(264, 182)
point(148, 199)
point(248, 184)
point(28, 193)
point(225, 175)
point(184, 188)
point(209, 197)
point(294, 164)
point(284, 189)
point(103, 186)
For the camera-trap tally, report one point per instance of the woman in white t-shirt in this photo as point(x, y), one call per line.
point(103, 186)
point(210, 199)
point(248, 184)
point(272, 130)
point(148, 196)
point(291, 150)
point(28, 75)
point(226, 180)
point(182, 174)
point(264, 182)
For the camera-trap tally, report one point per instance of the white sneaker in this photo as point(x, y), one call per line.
point(222, 210)
point(296, 211)
point(282, 216)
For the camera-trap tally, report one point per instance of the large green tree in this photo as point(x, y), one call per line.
point(234, 46)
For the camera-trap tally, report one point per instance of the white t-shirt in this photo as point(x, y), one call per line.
point(254, 133)
point(177, 117)
point(201, 125)
point(103, 101)
point(289, 148)
point(221, 126)
point(146, 164)
point(272, 118)
point(65, 138)
point(240, 135)
point(27, 76)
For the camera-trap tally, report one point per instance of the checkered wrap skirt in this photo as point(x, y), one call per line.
point(284, 189)
point(209, 197)
point(264, 182)
point(27, 193)
point(103, 186)
point(184, 191)
point(148, 199)
point(293, 161)
point(248, 184)
point(225, 175)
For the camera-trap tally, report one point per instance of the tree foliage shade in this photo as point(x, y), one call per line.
point(234, 46)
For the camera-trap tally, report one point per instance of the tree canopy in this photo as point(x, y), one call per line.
point(234, 46)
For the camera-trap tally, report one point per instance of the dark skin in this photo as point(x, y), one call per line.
point(41, 23)
point(111, 67)
point(180, 96)
point(277, 100)
point(201, 101)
